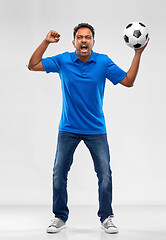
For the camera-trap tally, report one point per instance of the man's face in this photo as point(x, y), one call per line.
point(83, 42)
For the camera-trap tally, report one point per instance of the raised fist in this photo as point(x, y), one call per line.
point(53, 37)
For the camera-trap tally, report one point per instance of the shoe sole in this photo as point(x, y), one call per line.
point(113, 231)
point(55, 230)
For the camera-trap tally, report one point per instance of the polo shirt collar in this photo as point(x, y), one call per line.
point(91, 59)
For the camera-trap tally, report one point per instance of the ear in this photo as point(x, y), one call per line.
point(73, 43)
point(93, 42)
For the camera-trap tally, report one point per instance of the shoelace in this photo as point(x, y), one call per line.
point(54, 221)
point(109, 222)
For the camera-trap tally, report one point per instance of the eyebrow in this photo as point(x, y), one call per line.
point(84, 35)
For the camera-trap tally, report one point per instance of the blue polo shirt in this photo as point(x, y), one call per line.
point(83, 87)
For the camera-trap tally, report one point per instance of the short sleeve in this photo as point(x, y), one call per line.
point(114, 73)
point(52, 64)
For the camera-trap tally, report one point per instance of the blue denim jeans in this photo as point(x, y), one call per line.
point(99, 150)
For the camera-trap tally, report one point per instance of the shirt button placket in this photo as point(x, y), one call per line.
point(83, 68)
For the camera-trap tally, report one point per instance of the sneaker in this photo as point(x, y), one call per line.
point(56, 225)
point(108, 226)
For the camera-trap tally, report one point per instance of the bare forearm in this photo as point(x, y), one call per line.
point(35, 63)
point(128, 81)
point(37, 55)
point(133, 70)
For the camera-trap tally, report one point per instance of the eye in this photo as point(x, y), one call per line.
point(88, 37)
point(79, 37)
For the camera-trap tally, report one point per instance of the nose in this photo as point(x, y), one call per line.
point(83, 40)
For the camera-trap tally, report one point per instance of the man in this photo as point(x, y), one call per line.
point(83, 74)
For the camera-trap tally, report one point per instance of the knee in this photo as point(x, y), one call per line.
point(58, 170)
point(104, 171)
point(59, 178)
point(105, 179)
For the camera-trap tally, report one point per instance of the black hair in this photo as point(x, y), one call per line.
point(83, 25)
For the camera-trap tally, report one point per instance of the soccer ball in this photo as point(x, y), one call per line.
point(136, 35)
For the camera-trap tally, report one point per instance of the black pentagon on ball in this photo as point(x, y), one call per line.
point(137, 33)
point(129, 25)
point(126, 38)
point(138, 45)
point(147, 36)
point(142, 24)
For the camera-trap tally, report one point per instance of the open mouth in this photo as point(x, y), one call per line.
point(84, 48)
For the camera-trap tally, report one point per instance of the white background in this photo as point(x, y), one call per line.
point(30, 102)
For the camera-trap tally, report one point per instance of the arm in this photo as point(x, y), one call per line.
point(128, 81)
point(35, 63)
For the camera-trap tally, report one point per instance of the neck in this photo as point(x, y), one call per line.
point(84, 58)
